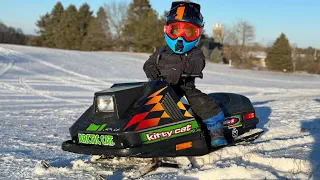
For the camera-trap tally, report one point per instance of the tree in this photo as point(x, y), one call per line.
point(158, 35)
point(53, 25)
point(3, 31)
point(246, 33)
point(42, 30)
point(239, 37)
point(10, 35)
point(116, 12)
point(84, 19)
point(139, 29)
point(205, 52)
point(20, 38)
point(99, 34)
point(70, 37)
point(216, 55)
point(279, 56)
point(49, 27)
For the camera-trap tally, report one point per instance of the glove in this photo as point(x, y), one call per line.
point(152, 72)
point(173, 72)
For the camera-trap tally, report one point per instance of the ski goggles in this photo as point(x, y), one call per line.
point(186, 30)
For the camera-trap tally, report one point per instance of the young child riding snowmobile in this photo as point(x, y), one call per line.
point(184, 25)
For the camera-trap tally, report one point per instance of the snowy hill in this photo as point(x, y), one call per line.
point(43, 91)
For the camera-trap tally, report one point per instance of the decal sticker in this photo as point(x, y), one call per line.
point(112, 129)
point(96, 139)
point(232, 122)
point(169, 132)
point(94, 127)
point(154, 99)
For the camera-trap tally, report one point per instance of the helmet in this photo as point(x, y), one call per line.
point(184, 26)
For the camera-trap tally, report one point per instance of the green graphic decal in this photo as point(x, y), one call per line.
point(101, 127)
point(96, 139)
point(169, 132)
point(94, 127)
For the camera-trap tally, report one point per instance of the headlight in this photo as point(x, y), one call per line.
point(105, 104)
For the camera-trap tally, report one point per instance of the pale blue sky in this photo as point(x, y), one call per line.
point(298, 19)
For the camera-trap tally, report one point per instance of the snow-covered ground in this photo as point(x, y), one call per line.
point(43, 91)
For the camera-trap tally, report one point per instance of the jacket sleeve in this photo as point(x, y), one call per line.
point(151, 62)
point(196, 62)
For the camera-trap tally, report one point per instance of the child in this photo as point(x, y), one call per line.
point(180, 55)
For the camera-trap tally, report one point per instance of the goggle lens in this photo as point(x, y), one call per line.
point(189, 31)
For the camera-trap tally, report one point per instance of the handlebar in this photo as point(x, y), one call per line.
point(184, 76)
point(192, 75)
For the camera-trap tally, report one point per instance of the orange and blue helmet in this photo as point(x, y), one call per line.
point(184, 26)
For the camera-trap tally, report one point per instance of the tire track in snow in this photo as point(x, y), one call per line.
point(9, 64)
point(59, 80)
point(12, 55)
point(47, 64)
point(24, 84)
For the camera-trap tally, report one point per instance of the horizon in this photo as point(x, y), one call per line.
point(296, 19)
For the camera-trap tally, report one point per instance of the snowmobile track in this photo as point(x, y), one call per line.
point(24, 84)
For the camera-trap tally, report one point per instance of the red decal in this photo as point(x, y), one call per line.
point(148, 123)
point(137, 118)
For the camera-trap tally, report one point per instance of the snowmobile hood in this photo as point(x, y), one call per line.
point(136, 107)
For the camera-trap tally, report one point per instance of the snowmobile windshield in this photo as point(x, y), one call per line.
point(186, 30)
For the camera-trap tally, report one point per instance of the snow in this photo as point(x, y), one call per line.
point(43, 91)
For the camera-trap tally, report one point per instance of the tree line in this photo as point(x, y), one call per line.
point(236, 44)
point(11, 35)
point(136, 26)
point(116, 26)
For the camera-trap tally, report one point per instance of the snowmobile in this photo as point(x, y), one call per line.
point(152, 120)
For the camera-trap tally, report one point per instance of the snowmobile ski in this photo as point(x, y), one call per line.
point(45, 164)
point(156, 163)
point(246, 138)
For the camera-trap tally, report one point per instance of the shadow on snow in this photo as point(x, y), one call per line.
point(313, 127)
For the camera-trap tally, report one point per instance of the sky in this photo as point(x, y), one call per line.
point(298, 19)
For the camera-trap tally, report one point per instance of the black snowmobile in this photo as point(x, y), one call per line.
point(151, 120)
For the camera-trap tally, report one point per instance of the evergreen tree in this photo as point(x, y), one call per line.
point(279, 56)
point(216, 55)
point(70, 36)
point(84, 19)
point(205, 52)
point(140, 29)
point(42, 24)
point(49, 25)
point(99, 35)
point(55, 26)
point(159, 34)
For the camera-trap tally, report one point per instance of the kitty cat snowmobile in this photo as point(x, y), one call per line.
point(152, 120)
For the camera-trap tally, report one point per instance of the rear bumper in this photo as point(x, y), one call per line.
point(250, 123)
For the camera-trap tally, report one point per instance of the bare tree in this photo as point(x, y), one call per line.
point(246, 33)
point(116, 13)
point(239, 36)
point(3, 31)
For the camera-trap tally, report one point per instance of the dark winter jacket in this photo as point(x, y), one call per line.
point(163, 58)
